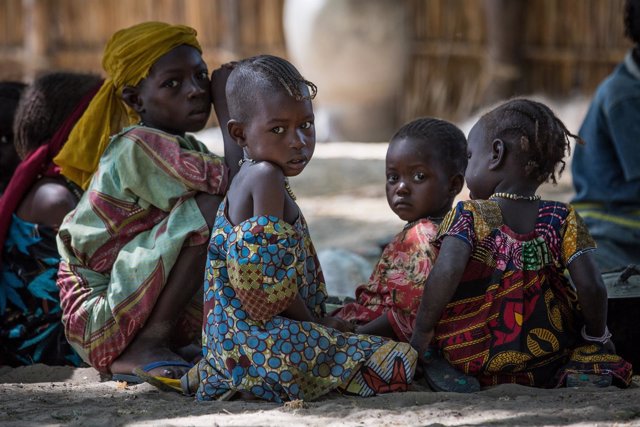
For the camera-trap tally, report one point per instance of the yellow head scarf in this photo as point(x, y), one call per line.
point(127, 59)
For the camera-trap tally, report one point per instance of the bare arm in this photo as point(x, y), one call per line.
point(268, 198)
point(267, 192)
point(298, 310)
point(379, 326)
point(267, 189)
point(232, 151)
point(439, 289)
point(47, 203)
point(592, 295)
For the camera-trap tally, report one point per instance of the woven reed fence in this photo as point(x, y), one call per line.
point(568, 46)
point(38, 35)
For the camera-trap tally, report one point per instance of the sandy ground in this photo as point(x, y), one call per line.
point(41, 395)
point(342, 196)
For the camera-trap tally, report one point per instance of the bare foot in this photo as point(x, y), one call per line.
point(138, 358)
point(244, 395)
point(191, 353)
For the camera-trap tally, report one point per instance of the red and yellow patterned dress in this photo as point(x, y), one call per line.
point(397, 282)
point(514, 317)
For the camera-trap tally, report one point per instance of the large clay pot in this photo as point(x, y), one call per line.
point(356, 52)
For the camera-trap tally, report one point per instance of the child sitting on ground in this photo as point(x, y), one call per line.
point(265, 333)
point(497, 303)
point(133, 250)
point(31, 211)
point(425, 167)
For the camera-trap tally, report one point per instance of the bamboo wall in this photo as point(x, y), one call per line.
point(41, 35)
point(568, 45)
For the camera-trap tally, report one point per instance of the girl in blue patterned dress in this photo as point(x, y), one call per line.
point(265, 331)
point(31, 209)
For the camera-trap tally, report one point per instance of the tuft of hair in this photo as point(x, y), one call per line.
point(253, 75)
point(46, 104)
point(542, 137)
point(444, 137)
point(632, 20)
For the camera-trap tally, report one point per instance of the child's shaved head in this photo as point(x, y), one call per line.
point(263, 74)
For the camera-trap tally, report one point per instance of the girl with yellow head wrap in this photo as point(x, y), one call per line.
point(133, 250)
point(127, 59)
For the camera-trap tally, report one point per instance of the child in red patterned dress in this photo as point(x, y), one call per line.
point(425, 167)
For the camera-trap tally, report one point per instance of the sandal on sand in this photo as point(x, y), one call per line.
point(441, 376)
point(190, 381)
point(135, 377)
point(588, 380)
point(187, 385)
point(161, 383)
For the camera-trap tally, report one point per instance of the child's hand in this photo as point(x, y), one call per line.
point(336, 323)
point(232, 151)
point(219, 78)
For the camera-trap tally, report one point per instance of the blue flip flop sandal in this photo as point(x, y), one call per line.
point(441, 376)
point(135, 379)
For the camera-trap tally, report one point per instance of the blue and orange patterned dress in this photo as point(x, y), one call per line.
point(514, 317)
point(254, 271)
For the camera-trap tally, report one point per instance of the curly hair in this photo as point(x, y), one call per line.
point(632, 20)
point(448, 141)
point(543, 138)
point(46, 104)
point(252, 75)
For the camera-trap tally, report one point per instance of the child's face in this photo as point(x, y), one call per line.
point(281, 131)
point(417, 186)
point(477, 175)
point(175, 97)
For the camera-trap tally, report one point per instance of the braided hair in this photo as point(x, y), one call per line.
point(541, 136)
point(260, 73)
point(45, 106)
point(632, 20)
point(444, 137)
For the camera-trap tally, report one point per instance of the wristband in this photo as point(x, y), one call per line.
point(603, 339)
